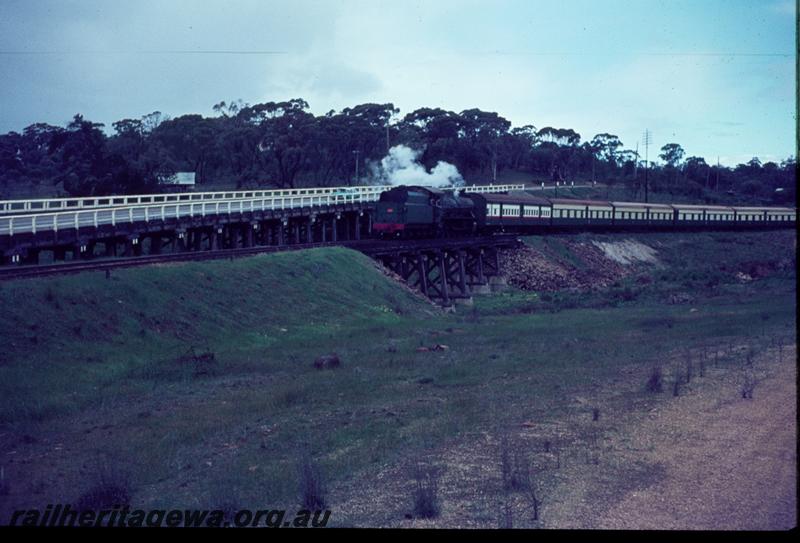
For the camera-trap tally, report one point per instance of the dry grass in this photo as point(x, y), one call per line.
point(703, 460)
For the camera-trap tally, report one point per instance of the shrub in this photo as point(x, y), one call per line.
point(426, 491)
point(223, 497)
point(506, 520)
point(513, 466)
point(198, 363)
point(676, 383)
point(5, 488)
point(311, 484)
point(108, 487)
point(748, 385)
point(655, 383)
point(688, 367)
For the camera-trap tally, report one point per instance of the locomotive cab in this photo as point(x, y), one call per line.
point(406, 211)
point(415, 211)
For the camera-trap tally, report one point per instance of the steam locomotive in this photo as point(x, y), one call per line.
point(423, 212)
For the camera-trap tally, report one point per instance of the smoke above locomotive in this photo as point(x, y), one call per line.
point(401, 166)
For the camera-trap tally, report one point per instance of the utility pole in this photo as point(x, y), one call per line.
point(357, 152)
point(647, 140)
point(716, 185)
point(494, 162)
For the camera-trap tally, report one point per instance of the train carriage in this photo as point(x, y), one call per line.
point(568, 212)
point(502, 211)
point(719, 216)
point(692, 216)
point(751, 216)
point(642, 214)
point(781, 215)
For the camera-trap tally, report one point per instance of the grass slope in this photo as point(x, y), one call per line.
point(69, 340)
point(100, 380)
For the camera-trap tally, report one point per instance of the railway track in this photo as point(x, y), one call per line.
point(370, 247)
point(16, 272)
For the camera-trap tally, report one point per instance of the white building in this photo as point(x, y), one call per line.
point(179, 179)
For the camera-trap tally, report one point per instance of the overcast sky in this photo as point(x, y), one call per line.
point(716, 76)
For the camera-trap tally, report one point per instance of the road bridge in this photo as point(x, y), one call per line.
point(150, 224)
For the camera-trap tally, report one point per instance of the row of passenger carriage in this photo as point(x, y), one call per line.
point(521, 208)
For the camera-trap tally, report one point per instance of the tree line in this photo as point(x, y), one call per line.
point(282, 144)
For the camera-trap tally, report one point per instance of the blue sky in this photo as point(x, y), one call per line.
point(718, 77)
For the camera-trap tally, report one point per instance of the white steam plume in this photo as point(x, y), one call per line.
point(400, 167)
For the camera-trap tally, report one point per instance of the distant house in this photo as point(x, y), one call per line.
point(183, 180)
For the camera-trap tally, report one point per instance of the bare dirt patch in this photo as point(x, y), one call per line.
point(581, 266)
point(707, 459)
point(628, 252)
point(729, 463)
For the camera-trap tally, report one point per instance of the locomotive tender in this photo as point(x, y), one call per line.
point(416, 211)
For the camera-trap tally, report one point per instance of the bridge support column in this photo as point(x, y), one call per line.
point(296, 229)
point(477, 282)
point(462, 279)
point(481, 276)
point(357, 224)
point(13, 258)
point(310, 230)
point(197, 239)
point(179, 245)
point(248, 234)
point(60, 253)
point(31, 256)
point(443, 279)
point(422, 271)
point(85, 249)
point(111, 247)
point(133, 247)
point(334, 229)
point(230, 239)
point(155, 244)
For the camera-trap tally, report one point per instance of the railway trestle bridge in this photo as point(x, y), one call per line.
point(445, 270)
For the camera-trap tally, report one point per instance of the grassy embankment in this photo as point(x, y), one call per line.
point(91, 369)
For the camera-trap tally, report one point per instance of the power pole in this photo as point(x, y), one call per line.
point(356, 152)
point(647, 140)
point(716, 185)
